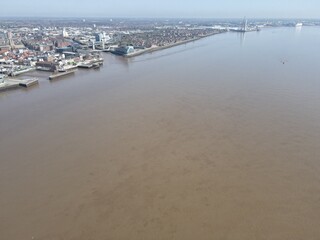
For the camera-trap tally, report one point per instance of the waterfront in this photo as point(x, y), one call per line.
point(215, 139)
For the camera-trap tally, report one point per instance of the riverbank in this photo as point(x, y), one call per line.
point(158, 48)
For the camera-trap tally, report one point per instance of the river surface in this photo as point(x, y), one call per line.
point(214, 139)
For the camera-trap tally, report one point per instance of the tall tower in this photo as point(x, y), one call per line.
point(245, 24)
point(93, 45)
point(11, 43)
point(64, 33)
point(103, 40)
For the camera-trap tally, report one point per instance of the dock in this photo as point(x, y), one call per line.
point(85, 65)
point(61, 74)
point(10, 83)
point(28, 82)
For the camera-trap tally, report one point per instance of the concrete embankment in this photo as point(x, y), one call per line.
point(153, 49)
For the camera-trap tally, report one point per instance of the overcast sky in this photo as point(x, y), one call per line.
point(162, 8)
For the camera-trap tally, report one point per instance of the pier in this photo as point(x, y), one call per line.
point(61, 74)
point(8, 85)
point(11, 83)
point(28, 82)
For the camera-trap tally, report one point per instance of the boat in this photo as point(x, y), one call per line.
point(96, 65)
point(47, 69)
point(299, 25)
point(85, 65)
point(67, 68)
point(2, 83)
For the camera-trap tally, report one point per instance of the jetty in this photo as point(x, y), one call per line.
point(28, 82)
point(5, 85)
point(9, 83)
point(61, 74)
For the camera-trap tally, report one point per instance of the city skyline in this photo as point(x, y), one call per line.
point(163, 9)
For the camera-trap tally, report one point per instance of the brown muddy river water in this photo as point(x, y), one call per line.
point(215, 139)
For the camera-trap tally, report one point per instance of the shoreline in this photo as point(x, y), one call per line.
point(158, 48)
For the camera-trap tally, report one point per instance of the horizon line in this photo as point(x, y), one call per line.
point(124, 17)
